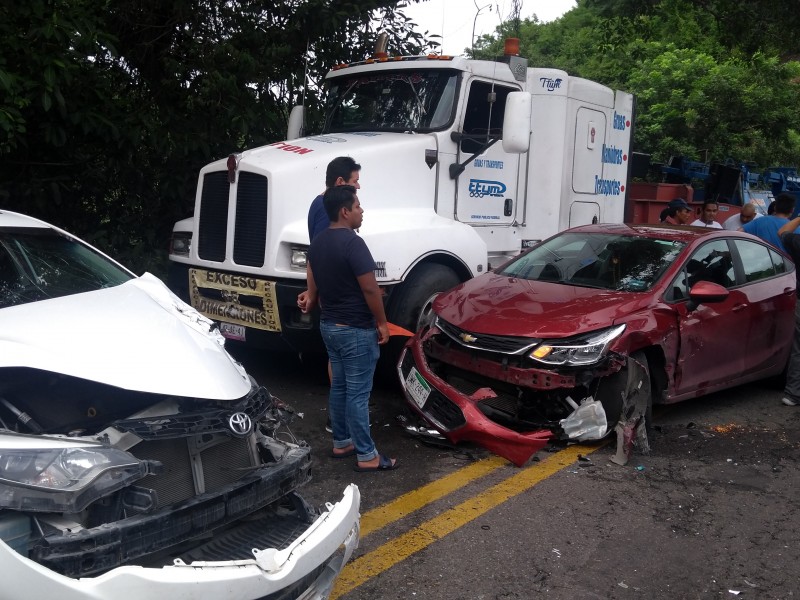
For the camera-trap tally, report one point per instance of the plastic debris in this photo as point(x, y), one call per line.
point(587, 422)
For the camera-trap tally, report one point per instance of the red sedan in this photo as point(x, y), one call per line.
point(586, 331)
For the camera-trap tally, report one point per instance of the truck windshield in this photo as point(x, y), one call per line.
point(407, 100)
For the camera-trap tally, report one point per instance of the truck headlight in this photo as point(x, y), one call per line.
point(299, 258)
point(586, 349)
point(180, 243)
point(44, 477)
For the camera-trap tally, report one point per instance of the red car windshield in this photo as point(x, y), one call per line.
point(597, 260)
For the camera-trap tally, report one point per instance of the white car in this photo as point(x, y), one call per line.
point(138, 459)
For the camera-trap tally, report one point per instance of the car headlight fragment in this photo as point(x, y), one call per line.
point(582, 350)
point(62, 477)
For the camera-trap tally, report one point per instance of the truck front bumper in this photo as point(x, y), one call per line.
point(306, 569)
point(262, 312)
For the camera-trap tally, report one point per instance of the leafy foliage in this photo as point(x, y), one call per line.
point(109, 108)
point(714, 79)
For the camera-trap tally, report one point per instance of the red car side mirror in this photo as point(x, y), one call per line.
point(706, 292)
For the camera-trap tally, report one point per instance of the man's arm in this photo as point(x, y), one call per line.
point(308, 299)
point(789, 227)
point(374, 298)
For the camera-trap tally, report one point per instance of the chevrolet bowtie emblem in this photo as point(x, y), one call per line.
point(467, 338)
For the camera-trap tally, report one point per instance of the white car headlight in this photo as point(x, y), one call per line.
point(582, 350)
point(62, 476)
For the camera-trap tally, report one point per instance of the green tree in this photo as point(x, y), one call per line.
point(703, 90)
point(109, 108)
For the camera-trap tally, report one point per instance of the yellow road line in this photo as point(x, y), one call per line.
point(414, 500)
point(398, 549)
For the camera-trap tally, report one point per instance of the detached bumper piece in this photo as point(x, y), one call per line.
point(458, 416)
point(288, 558)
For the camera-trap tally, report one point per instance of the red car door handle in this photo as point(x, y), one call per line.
point(788, 291)
point(739, 307)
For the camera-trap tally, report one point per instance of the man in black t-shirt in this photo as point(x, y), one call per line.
point(341, 279)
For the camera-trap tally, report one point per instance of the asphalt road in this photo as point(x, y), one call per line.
point(711, 513)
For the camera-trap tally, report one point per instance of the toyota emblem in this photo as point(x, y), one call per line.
point(240, 424)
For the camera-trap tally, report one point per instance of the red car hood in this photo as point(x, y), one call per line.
point(502, 305)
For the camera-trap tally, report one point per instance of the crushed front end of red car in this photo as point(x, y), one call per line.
point(497, 397)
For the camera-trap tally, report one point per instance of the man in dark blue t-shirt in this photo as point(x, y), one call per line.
point(342, 170)
point(341, 279)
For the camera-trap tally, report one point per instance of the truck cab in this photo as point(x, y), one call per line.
point(465, 163)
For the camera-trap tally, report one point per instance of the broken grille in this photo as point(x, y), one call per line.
point(484, 341)
point(220, 464)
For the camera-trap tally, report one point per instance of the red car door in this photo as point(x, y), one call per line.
point(768, 321)
point(711, 352)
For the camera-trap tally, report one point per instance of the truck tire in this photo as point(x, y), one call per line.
point(410, 307)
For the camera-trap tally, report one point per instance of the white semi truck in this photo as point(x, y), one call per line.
point(465, 163)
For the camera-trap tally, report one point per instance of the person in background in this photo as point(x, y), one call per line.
point(791, 242)
point(342, 170)
point(767, 227)
point(341, 279)
point(708, 216)
point(747, 214)
point(677, 213)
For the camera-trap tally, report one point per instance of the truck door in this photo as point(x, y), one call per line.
point(486, 193)
point(587, 168)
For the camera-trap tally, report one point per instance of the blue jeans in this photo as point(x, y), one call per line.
point(353, 353)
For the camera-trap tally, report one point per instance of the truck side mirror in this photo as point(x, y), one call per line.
point(517, 123)
point(295, 129)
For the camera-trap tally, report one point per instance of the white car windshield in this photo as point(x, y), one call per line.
point(36, 264)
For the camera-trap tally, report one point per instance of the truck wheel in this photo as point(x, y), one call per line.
point(411, 306)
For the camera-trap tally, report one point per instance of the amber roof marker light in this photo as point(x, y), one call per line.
point(511, 47)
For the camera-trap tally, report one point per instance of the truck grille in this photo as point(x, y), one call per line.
point(250, 226)
point(213, 216)
point(250, 234)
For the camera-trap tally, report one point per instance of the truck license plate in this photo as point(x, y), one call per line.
point(232, 331)
point(417, 387)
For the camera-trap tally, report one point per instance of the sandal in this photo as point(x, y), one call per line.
point(384, 464)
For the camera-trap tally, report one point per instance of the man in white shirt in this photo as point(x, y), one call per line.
point(736, 221)
point(708, 216)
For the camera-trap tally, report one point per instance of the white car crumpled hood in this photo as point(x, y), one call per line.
point(137, 336)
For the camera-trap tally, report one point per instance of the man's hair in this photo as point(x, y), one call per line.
point(784, 204)
point(707, 202)
point(341, 166)
point(335, 198)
